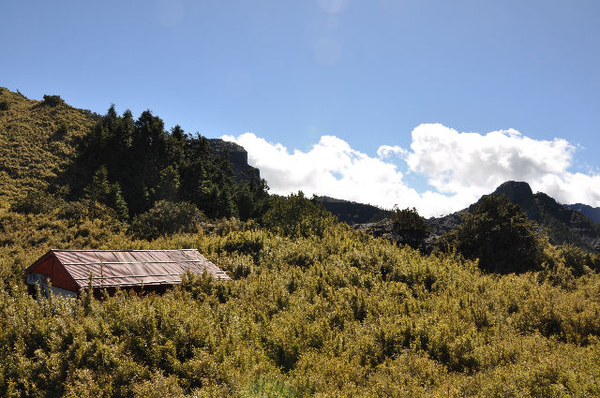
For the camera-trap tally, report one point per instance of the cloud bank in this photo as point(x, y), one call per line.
point(457, 167)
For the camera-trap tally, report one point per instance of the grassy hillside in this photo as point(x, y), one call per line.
point(314, 308)
point(37, 141)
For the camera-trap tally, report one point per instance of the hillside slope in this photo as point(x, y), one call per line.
point(53, 152)
point(37, 141)
point(314, 308)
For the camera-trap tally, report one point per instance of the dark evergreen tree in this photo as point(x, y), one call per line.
point(409, 227)
point(500, 235)
point(102, 191)
point(148, 164)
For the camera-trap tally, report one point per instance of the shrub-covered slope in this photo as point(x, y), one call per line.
point(38, 139)
point(340, 315)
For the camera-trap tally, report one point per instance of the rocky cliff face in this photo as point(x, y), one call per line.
point(238, 157)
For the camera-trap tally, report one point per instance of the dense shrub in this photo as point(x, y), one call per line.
point(578, 260)
point(297, 216)
point(499, 234)
point(166, 218)
point(339, 315)
point(52, 100)
point(37, 202)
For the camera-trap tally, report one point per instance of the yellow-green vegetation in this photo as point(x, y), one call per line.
point(339, 315)
point(38, 139)
point(313, 309)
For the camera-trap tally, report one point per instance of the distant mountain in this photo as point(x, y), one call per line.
point(559, 222)
point(593, 213)
point(352, 212)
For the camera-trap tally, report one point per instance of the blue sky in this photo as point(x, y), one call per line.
point(322, 92)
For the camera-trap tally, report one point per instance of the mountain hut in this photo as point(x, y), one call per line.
point(68, 272)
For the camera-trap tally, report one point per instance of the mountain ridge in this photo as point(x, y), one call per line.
point(38, 138)
point(593, 213)
point(352, 212)
point(560, 223)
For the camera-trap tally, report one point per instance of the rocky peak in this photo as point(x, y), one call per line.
point(520, 193)
point(515, 190)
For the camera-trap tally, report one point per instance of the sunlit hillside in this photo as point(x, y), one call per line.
point(37, 140)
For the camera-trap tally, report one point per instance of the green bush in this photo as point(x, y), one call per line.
point(297, 216)
point(409, 227)
point(36, 202)
point(52, 100)
point(166, 218)
point(499, 234)
point(248, 242)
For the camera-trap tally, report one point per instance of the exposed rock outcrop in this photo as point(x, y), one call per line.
point(519, 193)
point(238, 156)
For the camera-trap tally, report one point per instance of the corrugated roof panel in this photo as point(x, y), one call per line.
point(81, 274)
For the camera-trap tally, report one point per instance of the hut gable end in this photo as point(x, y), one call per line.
point(48, 270)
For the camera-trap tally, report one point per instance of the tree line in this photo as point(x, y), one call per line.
point(132, 166)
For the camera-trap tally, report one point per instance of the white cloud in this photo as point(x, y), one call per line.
point(386, 151)
point(331, 167)
point(459, 168)
point(454, 161)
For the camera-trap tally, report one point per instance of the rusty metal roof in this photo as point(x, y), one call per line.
point(122, 268)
